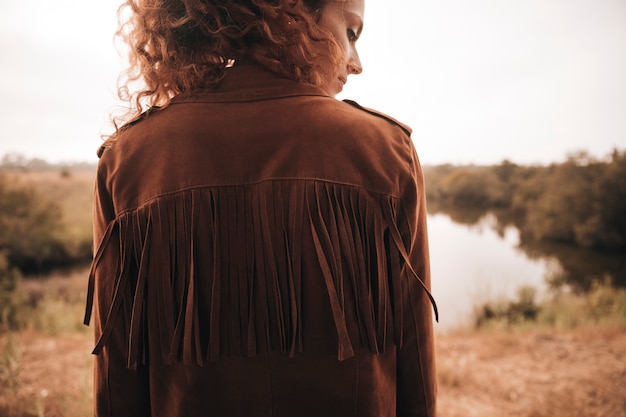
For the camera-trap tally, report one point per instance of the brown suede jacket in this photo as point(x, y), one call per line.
point(261, 250)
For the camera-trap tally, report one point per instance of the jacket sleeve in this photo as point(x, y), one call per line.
point(118, 391)
point(416, 376)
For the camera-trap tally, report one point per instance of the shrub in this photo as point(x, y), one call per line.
point(509, 312)
point(30, 228)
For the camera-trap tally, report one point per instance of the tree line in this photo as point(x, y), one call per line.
point(579, 202)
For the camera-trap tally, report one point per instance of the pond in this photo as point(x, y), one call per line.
point(472, 263)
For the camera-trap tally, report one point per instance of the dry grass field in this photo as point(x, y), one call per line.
point(45, 370)
point(580, 373)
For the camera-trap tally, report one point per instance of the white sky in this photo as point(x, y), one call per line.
point(478, 80)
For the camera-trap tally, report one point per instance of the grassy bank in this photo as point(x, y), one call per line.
point(602, 306)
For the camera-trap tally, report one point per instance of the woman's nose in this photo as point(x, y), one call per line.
point(354, 64)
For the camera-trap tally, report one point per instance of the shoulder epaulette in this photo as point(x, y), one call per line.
point(376, 113)
point(125, 126)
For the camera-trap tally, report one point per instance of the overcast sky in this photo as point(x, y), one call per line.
point(478, 80)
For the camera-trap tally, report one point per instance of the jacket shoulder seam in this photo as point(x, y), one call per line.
point(407, 129)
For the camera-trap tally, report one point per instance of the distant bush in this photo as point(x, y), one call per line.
point(509, 312)
point(30, 228)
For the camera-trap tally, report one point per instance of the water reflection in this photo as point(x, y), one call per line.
point(473, 264)
point(579, 267)
point(478, 256)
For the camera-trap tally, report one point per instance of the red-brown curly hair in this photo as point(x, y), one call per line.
point(182, 46)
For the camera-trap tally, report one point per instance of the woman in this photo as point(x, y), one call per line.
point(261, 247)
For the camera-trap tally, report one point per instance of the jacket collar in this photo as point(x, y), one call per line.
point(248, 82)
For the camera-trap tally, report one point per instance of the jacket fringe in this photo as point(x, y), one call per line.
point(203, 300)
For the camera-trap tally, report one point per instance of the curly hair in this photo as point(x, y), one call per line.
point(182, 46)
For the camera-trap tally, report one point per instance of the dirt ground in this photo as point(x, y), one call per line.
point(45, 375)
point(581, 373)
